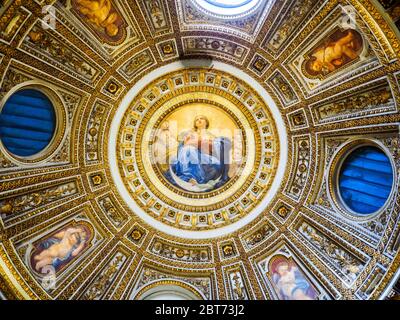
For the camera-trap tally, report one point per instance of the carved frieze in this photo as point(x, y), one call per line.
point(216, 46)
point(112, 210)
point(283, 88)
point(373, 99)
point(48, 46)
point(179, 252)
point(341, 260)
point(137, 64)
point(23, 202)
point(199, 280)
point(103, 281)
point(301, 166)
point(289, 19)
point(157, 16)
point(258, 236)
point(237, 284)
point(94, 132)
point(11, 22)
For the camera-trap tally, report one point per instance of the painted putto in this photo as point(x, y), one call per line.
point(289, 281)
point(61, 248)
point(334, 52)
point(102, 17)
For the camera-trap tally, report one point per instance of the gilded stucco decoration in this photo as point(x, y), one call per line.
point(292, 84)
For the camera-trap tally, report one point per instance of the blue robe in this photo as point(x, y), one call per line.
point(191, 163)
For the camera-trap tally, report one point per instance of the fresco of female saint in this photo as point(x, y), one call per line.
point(61, 248)
point(201, 163)
point(289, 281)
point(339, 49)
point(198, 148)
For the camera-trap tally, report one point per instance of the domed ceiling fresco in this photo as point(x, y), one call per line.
point(199, 149)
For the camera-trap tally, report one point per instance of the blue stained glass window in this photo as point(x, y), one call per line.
point(27, 122)
point(365, 180)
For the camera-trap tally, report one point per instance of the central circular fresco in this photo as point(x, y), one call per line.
point(197, 149)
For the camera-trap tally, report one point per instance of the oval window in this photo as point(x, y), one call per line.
point(168, 292)
point(230, 8)
point(229, 3)
point(27, 123)
point(365, 180)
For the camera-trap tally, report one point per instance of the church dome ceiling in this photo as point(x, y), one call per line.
point(199, 148)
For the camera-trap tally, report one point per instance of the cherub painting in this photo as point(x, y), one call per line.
point(289, 281)
point(191, 154)
point(102, 17)
point(60, 248)
point(334, 52)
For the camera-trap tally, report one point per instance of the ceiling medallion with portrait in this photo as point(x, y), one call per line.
point(197, 149)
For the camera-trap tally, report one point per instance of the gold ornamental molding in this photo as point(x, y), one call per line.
point(169, 107)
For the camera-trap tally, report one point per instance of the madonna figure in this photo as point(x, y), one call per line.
point(202, 161)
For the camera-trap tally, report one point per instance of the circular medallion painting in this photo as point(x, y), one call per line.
point(197, 149)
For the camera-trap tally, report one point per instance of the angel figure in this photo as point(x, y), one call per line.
point(61, 248)
point(334, 54)
point(99, 13)
point(291, 283)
